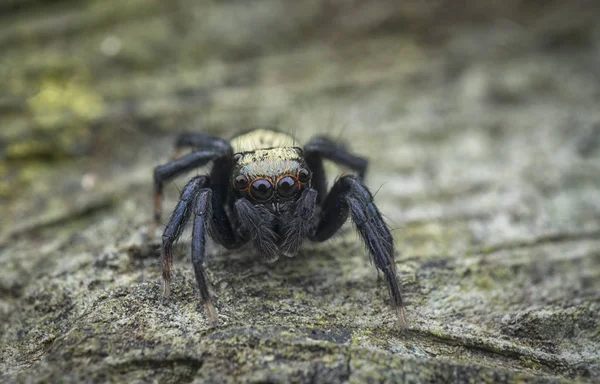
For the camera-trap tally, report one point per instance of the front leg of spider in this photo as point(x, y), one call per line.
point(350, 197)
point(179, 218)
point(202, 215)
point(195, 197)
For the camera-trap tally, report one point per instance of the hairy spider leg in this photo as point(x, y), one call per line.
point(202, 213)
point(319, 148)
point(179, 218)
point(350, 197)
point(199, 197)
point(169, 171)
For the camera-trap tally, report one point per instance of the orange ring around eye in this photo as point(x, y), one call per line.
point(271, 187)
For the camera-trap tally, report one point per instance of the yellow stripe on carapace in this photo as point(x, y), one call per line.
point(269, 162)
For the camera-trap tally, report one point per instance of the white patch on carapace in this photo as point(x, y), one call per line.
point(269, 162)
point(262, 139)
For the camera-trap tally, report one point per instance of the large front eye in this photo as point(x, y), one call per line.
point(261, 189)
point(287, 186)
point(241, 182)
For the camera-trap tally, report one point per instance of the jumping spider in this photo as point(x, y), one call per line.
point(265, 188)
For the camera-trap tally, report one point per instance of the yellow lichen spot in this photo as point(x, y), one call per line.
point(438, 333)
point(26, 148)
point(484, 281)
point(30, 172)
point(59, 97)
point(502, 274)
point(298, 296)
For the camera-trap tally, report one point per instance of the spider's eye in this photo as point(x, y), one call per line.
point(241, 182)
point(287, 186)
point(261, 189)
point(304, 175)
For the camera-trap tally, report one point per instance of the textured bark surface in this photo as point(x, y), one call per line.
point(482, 125)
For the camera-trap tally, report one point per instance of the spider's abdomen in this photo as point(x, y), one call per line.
point(262, 139)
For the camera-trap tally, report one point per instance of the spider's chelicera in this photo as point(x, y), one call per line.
point(265, 189)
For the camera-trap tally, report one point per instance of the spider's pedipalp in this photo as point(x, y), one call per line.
point(257, 222)
point(298, 226)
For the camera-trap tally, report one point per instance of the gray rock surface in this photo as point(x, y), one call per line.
point(482, 125)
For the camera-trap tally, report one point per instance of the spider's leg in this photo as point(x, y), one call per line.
point(169, 171)
point(178, 219)
point(198, 141)
point(319, 148)
point(197, 197)
point(201, 141)
point(202, 214)
point(349, 196)
point(209, 217)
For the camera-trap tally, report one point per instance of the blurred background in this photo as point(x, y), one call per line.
point(97, 86)
point(481, 120)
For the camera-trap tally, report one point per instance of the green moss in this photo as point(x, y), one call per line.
point(502, 274)
point(531, 364)
point(56, 97)
point(483, 281)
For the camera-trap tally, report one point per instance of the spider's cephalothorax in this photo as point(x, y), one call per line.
point(274, 175)
point(265, 189)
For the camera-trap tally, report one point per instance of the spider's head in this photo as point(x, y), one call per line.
point(270, 175)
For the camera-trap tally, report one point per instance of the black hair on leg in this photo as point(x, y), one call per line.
point(209, 217)
point(176, 224)
point(202, 216)
point(349, 196)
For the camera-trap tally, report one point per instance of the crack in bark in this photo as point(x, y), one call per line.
point(551, 364)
